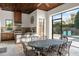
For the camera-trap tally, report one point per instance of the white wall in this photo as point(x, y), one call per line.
point(34, 13)
point(57, 10)
point(41, 14)
point(5, 15)
point(25, 20)
point(0, 30)
point(63, 8)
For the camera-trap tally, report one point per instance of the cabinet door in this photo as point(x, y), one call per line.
point(17, 17)
point(7, 36)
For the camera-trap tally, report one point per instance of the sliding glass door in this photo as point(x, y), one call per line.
point(66, 23)
point(56, 28)
point(69, 23)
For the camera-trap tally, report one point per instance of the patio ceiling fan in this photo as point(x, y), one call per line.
point(38, 5)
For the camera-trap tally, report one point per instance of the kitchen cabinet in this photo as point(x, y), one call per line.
point(17, 17)
point(5, 36)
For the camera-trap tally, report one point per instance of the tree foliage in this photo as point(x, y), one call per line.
point(76, 22)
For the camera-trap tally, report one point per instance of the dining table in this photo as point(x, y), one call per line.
point(46, 43)
point(41, 45)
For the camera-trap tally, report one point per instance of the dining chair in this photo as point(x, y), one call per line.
point(68, 47)
point(55, 49)
point(34, 38)
point(64, 38)
point(44, 52)
point(28, 51)
point(43, 38)
point(51, 51)
point(65, 49)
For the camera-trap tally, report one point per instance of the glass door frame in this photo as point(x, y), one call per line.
point(61, 20)
point(53, 26)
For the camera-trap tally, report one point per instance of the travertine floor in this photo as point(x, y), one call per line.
point(74, 50)
point(14, 49)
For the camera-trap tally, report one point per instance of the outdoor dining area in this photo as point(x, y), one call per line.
point(42, 46)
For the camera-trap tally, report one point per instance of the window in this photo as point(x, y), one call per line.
point(66, 24)
point(58, 16)
point(9, 25)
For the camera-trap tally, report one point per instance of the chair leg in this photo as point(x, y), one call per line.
point(68, 53)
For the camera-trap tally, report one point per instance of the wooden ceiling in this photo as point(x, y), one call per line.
point(28, 7)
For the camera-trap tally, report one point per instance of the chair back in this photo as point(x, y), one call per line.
point(28, 51)
point(69, 44)
point(34, 38)
point(65, 48)
point(24, 47)
point(65, 38)
point(43, 38)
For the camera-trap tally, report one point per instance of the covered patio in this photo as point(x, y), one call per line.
point(39, 29)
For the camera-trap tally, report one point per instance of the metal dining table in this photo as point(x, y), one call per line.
point(46, 43)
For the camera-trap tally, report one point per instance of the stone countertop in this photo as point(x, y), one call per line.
point(6, 32)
